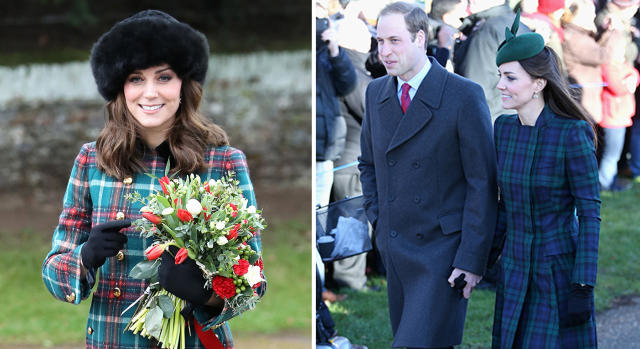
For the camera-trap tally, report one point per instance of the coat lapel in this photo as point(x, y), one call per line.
point(389, 107)
point(427, 98)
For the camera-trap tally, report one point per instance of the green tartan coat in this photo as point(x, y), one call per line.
point(93, 198)
point(548, 223)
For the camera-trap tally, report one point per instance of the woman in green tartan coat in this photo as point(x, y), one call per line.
point(150, 69)
point(549, 220)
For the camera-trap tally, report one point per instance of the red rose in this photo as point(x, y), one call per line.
point(164, 183)
point(154, 252)
point(258, 263)
point(181, 255)
point(241, 268)
point(233, 233)
point(184, 215)
point(206, 187)
point(256, 285)
point(224, 287)
point(152, 218)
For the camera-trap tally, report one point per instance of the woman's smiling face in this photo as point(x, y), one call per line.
point(153, 97)
point(516, 85)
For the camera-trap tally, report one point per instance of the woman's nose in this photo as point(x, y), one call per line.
point(150, 90)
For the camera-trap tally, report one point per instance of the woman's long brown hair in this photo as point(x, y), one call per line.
point(120, 150)
point(546, 65)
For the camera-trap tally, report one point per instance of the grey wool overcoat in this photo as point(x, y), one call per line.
point(429, 180)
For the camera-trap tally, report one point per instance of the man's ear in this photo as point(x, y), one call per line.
point(421, 38)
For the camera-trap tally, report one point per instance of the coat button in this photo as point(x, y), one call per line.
point(71, 297)
point(119, 216)
point(415, 164)
point(416, 199)
point(391, 198)
point(127, 181)
point(120, 256)
point(90, 330)
point(394, 233)
point(116, 292)
point(391, 162)
point(419, 236)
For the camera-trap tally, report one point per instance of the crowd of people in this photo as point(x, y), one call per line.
point(484, 133)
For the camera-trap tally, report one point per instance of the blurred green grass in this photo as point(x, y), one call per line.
point(363, 316)
point(30, 315)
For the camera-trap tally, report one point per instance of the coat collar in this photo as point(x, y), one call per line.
point(545, 116)
point(427, 98)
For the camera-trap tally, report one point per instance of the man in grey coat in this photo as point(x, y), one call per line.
point(428, 175)
point(489, 19)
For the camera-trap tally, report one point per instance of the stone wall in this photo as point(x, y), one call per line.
point(263, 101)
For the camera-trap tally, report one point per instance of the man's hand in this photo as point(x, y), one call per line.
point(471, 279)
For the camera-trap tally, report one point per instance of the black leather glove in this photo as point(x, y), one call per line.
point(184, 280)
point(105, 240)
point(580, 305)
point(459, 283)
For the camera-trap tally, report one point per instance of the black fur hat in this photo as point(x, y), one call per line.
point(146, 39)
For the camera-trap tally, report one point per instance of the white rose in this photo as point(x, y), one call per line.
point(146, 209)
point(244, 203)
point(167, 211)
point(253, 275)
point(222, 240)
point(210, 244)
point(251, 209)
point(194, 207)
point(220, 225)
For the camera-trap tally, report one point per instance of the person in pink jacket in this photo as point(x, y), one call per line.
point(618, 107)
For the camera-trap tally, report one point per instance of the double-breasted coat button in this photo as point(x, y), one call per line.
point(391, 162)
point(71, 297)
point(116, 292)
point(394, 233)
point(391, 198)
point(127, 181)
point(90, 330)
point(120, 256)
point(120, 216)
point(415, 164)
point(416, 199)
point(420, 236)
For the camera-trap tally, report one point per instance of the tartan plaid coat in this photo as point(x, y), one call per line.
point(548, 223)
point(93, 198)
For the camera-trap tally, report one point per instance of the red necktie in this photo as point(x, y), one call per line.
point(404, 98)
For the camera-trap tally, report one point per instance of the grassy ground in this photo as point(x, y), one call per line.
point(30, 315)
point(363, 317)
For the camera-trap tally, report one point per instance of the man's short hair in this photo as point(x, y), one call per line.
point(414, 17)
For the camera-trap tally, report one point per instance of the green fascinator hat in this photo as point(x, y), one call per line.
point(516, 48)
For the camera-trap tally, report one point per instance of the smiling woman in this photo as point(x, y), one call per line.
point(153, 128)
point(153, 97)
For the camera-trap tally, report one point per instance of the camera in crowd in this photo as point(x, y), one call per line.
point(322, 24)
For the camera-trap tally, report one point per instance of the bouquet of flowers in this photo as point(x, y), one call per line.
point(210, 223)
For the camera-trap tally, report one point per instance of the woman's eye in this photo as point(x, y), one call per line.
point(135, 79)
point(165, 78)
point(510, 78)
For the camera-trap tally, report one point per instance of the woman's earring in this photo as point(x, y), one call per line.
point(535, 95)
point(180, 100)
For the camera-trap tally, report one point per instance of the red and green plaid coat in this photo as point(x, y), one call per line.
point(549, 221)
point(93, 198)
